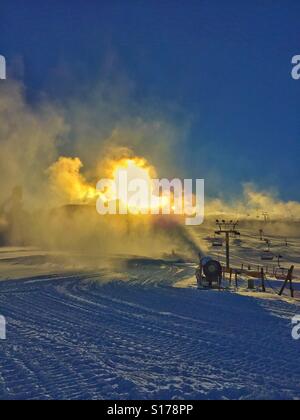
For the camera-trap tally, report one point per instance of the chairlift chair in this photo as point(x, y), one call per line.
point(280, 273)
point(267, 255)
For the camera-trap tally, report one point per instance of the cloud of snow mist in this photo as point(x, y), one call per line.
point(104, 125)
point(253, 204)
point(88, 132)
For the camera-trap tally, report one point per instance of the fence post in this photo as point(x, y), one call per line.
point(230, 278)
point(263, 280)
point(289, 278)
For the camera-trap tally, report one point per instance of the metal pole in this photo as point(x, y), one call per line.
point(263, 280)
point(227, 251)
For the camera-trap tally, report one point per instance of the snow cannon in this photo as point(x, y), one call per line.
point(209, 273)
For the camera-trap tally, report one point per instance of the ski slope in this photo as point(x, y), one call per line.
point(126, 333)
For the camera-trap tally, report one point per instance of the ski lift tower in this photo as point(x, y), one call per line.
point(227, 229)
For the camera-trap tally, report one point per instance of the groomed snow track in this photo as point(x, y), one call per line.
point(76, 337)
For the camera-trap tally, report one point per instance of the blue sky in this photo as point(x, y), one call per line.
point(225, 64)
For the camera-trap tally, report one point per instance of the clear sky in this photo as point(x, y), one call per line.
point(225, 64)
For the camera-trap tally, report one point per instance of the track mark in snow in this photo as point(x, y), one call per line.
point(76, 338)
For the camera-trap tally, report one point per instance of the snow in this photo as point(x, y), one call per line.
point(122, 331)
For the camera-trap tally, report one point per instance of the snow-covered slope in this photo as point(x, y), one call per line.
point(127, 334)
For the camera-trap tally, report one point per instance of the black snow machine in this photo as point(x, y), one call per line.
point(209, 274)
